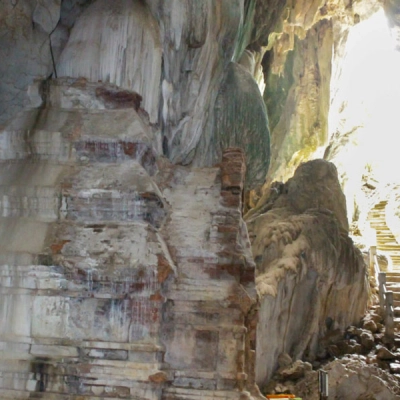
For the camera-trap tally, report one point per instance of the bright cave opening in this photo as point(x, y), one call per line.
point(363, 124)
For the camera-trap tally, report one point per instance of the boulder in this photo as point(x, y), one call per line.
point(294, 371)
point(383, 353)
point(310, 277)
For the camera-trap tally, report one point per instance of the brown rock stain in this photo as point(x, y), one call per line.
point(163, 269)
point(119, 98)
point(158, 377)
point(57, 247)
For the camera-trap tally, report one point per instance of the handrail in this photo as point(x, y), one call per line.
point(385, 296)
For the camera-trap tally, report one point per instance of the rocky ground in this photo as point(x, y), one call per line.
point(360, 361)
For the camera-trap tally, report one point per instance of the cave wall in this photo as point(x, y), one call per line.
point(293, 49)
point(301, 46)
point(122, 274)
point(176, 55)
point(25, 29)
point(122, 231)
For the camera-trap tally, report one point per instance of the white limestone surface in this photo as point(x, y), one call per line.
point(117, 42)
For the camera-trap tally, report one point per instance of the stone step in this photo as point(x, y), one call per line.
point(396, 308)
point(393, 287)
point(396, 303)
point(385, 240)
point(396, 295)
point(395, 291)
point(391, 248)
point(393, 276)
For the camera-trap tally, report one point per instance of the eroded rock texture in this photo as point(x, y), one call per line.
point(175, 55)
point(119, 279)
point(351, 375)
point(240, 119)
point(125, 273)
point(308, 269)
point(117, 42)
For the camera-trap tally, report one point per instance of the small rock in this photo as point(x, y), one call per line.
point(379, 326)
point(378, 337)
point(374, 316)
point(367, 340)
point(295, 371)
point(371, 359)
point(353, 331)
point(333, 336)
point(280, 389)
point(370, 325)
point(383, 365)
point(356, 349)
point(270, 386)
point(284, 360)
point(333, 351)
point(344, 347)
point(384, 354)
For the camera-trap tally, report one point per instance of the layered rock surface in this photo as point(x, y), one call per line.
point(138, 280)
point(177, 56)
point(122, 290)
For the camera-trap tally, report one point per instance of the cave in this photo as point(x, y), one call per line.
point(193, 196)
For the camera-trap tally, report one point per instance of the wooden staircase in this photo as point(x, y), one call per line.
point(386, 243)
point(385, 240)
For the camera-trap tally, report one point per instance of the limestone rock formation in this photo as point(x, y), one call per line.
point(315, 185)
point(24, 35)
point(119, 279)
point(297, 93)
point(174, 55)
point(240, 120)
point(126, 268)
point(307, 267)
point(350, 376)
point(104, 46)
